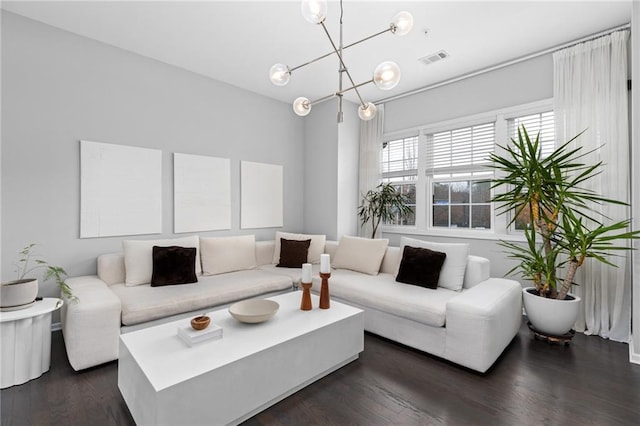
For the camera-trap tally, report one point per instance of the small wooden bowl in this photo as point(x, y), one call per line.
point(200, 323)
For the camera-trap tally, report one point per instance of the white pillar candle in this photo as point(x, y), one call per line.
point(325, 265)
point(306, 273)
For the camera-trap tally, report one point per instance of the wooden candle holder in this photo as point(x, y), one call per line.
point(305, 305)
point(325, 302)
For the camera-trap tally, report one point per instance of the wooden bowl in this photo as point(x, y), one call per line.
point(200, 323)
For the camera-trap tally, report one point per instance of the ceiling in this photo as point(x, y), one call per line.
point(237, 41)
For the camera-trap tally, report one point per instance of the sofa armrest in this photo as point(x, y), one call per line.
point(477, 271)
point(481, 321)
point(91, 326)
point(111, 268)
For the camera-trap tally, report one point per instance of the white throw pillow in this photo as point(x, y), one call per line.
point(455, 264)
point(316, 248)
point(138, 257)
point(228, 254)
point(360, 254)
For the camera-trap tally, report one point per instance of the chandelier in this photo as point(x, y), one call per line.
point(385, 76)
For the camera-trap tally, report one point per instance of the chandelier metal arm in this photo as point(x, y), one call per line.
point(335, 49)
point(345, 47)
point(338, 93)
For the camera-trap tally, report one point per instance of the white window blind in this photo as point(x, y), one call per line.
point(399, 157)
point(461, 150)
point(534, 123)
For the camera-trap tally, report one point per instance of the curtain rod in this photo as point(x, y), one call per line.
point(506, 64)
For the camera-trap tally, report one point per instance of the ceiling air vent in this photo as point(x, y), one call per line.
point(434, 57)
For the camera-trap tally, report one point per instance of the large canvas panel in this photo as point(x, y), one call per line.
point(202, 193)
point(120, 190)
point(261, 195)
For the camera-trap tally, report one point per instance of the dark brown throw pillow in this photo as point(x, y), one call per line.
point(293, 253)
point(173, 265)
point(420, 266)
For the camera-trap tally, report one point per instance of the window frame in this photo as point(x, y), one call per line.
point(424, 184)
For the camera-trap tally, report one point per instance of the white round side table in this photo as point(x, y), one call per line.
point(26, 342)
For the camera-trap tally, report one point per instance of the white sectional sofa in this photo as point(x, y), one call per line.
point(470, 327)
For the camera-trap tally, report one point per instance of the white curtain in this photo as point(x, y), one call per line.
point(590, 92)
point(370, 144)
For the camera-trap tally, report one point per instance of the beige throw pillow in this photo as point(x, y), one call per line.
point(228, 254)
point(315, 249)
point(138, 257)
point(360, 254)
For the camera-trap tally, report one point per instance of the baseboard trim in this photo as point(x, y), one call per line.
point(634, 357)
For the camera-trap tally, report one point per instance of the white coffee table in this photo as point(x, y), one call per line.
point(25, 352)
point(253, 366)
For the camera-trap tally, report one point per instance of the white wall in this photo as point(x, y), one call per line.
point(59, 88)
point(348, 171)
point(634, 347)
point(331, 170)
point(517, 84)
point(321, 170)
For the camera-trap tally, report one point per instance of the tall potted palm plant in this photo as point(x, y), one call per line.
point(564, 229)
point(382, 204)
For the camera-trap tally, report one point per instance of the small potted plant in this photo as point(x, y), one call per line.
point(563, 231)
point(382, 204)
point(22, 292)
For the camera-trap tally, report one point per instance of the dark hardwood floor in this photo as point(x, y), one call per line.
point(589, 382)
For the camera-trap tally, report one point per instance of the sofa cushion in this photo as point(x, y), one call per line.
point(383, 293)
point(173, 265)
point(360, 254)
point(293, 253)
point(316, 248)
point(138, 257)
point(455, 264)
point(228, 254)
point(146, 303)
point(420, 266)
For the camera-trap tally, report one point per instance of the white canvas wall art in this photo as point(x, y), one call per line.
point(202, 193)
point(261, 195)
point(120, 190)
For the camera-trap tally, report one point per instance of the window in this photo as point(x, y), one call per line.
point(542, 124)
point(456, 167)
point(399, 165)
point(444, 169)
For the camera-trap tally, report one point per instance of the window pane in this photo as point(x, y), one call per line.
point(460, 192)
point(480, 192)
point(452, 204)
point(441, 216)
point(523, 220)
point(398, 156)
point(460, 216)
point(440, 193)
point(481, 217)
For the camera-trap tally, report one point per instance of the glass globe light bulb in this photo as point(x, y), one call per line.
point(279, 74)
point(402, 22)
point(302, 106)
point(314, 11)
point(367, 111)
point(386, 75)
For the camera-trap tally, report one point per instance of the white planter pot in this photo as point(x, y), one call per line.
point(550, 316)
point(18, 294)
